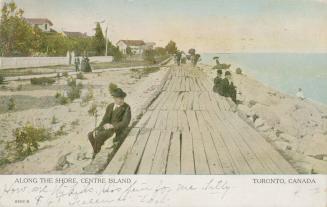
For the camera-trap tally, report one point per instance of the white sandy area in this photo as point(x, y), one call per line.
point(74, 146)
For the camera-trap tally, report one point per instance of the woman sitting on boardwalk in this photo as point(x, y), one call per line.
point(227, 87)
point(218, 82)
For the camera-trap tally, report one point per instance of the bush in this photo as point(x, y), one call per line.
point(149, 56)
point(238, 71)
point(2, 79)
point(75, 90)
point(19, 87)
point(80, 76)
point(11, 104)
point(65, 74)
point(27, 138)
point(42, 81)
point(61, 99)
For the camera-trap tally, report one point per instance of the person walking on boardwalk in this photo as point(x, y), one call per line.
point(218, 82)
point(77, 63)
point(178, 57)
point(115, 120)
point(228, 88)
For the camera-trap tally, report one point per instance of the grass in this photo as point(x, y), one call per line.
point(42, 81)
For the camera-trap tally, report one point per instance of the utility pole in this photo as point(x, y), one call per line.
point(106, 41)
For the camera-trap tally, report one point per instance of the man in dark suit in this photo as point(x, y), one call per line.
point(217, 82)
point(115, 120)
point(228, 88)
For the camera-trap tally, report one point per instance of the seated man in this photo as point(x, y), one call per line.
point(115, 120)
point(228, 88)
point(217, 82)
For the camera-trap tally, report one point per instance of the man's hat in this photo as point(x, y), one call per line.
point(227, 73)
point(219, 72)
point(118, 93)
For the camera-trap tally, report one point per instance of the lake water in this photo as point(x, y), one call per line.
point(283, 71)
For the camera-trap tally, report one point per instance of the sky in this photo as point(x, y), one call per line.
point(207, 25)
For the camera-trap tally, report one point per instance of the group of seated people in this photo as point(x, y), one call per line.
point(224, 87)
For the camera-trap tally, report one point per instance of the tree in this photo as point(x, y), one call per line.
point(191, 51)
point(149, 56)
point(16, 34)
point(171, 47)
point(129, 50)
point(160, 51)
point(99, 43)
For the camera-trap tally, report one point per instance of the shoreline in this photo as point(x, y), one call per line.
point(296, 128)
point(235, 65)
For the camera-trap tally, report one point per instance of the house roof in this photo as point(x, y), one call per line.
point(38, 21)
point(74, 34)
point(132, 42)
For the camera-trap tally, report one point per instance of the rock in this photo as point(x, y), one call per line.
point(283, 146)
point(258, 123)
point(252, 103)
point(318, 166)
point(314, 144)
point(246, 110)
point(288, 138)
point(62, 162)
point(264, 128)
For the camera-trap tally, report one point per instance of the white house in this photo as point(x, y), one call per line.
point(42, 23)
point(136, 46)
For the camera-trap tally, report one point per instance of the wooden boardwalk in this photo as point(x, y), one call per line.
point(188, 129)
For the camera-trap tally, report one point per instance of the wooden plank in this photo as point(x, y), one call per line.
point(250, 157)
point(201, 164)
point(185, 100)
point(118, 160)
point(161, 119)
point(174, 155)
point(158, 100)
point(196, 105)
point(224, 155)
point(172, 121)
point(149, 153)
point(238, 158)
point(144, 119)
point(134, 157)
point(153, 119)
point(266, 147)
point(163, 104)
point(179, 101)
point(202, 103)
point(214, 164)
point(182, 121)
point(255, 145)
point(187, 159)
point(161, 156)
point(171, 103)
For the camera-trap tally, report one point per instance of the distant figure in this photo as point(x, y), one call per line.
point(299, 94)
point(85, 66)
point(77, 63)
point(218, 82)
point(228, 88)
point(115, 120)
point(178, 57)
